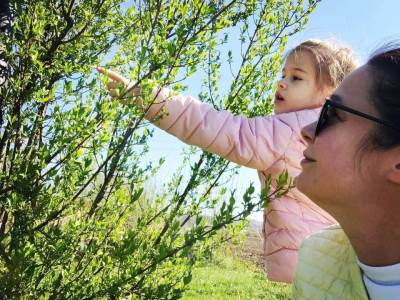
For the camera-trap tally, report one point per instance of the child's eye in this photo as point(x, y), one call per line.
point(296, 78)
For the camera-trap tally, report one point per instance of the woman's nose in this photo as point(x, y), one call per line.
point(308, 132)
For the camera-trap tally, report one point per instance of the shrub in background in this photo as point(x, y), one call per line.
point(71, 160)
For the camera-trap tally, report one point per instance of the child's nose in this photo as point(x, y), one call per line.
point(282, 84)
point(308, 132)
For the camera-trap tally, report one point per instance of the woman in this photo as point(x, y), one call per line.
point(352, 170)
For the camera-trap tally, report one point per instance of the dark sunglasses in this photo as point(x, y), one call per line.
point(328, 112)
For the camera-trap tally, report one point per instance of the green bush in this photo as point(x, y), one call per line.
point(72, 220)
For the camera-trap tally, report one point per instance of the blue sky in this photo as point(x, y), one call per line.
point(360, 24)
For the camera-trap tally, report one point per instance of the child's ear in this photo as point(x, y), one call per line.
point(328, 91)
point(325, 92)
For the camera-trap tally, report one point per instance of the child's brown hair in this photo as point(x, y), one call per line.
point(332, 62)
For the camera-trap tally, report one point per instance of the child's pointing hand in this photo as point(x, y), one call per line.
point(119, 86)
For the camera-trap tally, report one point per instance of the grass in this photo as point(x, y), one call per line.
point(227, 276)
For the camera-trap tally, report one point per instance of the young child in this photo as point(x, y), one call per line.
point(268, 144)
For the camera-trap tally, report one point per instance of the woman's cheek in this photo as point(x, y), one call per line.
point(336, 159)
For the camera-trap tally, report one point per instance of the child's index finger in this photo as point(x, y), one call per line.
point(112, 75)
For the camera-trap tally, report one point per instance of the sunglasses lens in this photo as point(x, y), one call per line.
point(323, 119)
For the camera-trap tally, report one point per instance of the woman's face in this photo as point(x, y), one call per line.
point(332, 173)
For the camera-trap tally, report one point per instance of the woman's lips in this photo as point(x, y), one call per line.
point(307, 159)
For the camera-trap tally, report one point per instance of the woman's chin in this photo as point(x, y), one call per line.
point(302, 183)
point(309, 187)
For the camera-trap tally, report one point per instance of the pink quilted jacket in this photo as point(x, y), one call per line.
point(268, 144)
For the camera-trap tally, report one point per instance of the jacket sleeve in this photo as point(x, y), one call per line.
point(253, 142)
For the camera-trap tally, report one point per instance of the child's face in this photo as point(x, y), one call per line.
point(298, 88)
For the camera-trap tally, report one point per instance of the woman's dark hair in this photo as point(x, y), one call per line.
point(384, 68)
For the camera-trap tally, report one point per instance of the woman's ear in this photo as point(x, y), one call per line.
point(393, 173)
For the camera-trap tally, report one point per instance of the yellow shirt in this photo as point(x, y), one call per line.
point(327, 268)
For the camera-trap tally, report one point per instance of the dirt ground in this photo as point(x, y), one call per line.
point(252, 248)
